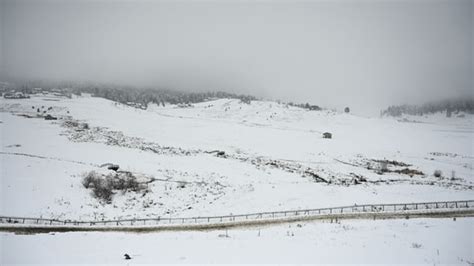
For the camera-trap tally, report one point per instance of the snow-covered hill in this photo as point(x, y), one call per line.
point(224, 156)
point(274, 157)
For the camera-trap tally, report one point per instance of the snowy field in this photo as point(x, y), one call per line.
point(222, 157)
point(420, 241)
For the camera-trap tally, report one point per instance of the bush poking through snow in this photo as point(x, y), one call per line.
point(415, 245)
point(76, 125)
point(104, 184)
point(89, 178)
point(104, 190)
point(382, 167)
point(126, 181)
point(438, 173)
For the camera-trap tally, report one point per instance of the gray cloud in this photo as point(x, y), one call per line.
point(365, 54)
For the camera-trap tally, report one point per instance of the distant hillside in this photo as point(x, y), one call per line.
point(138, 96)
point(160, 96)
point(126, 94)
point(448, 106)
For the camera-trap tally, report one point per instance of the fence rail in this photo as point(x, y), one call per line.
point(398, 208)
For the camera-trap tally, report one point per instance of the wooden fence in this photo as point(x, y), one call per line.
point(394, 208)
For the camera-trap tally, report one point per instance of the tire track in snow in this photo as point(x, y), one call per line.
point(47, 158)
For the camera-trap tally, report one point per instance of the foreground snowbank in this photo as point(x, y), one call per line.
point(427, 241)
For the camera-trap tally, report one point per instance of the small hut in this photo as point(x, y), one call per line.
point(327, 135)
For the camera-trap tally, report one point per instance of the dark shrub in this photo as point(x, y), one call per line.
point(85, 126)
point(103, 185)
point(103, 189)
point(88, 179)
point(50, 117)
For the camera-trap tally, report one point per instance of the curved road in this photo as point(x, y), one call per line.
point(442, 209)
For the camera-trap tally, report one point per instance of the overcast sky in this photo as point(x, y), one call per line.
point(364, 54)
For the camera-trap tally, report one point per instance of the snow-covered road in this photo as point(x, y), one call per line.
point(370, 211)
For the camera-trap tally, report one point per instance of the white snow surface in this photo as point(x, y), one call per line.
point(50, 185)
point(268, 148)
point(417, 241)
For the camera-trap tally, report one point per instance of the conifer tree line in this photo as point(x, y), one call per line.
point(449, 106)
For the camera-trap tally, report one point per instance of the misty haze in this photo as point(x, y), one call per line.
point(233, 131)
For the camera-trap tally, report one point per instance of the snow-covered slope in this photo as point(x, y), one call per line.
point(224, 156)
point(274, 158)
